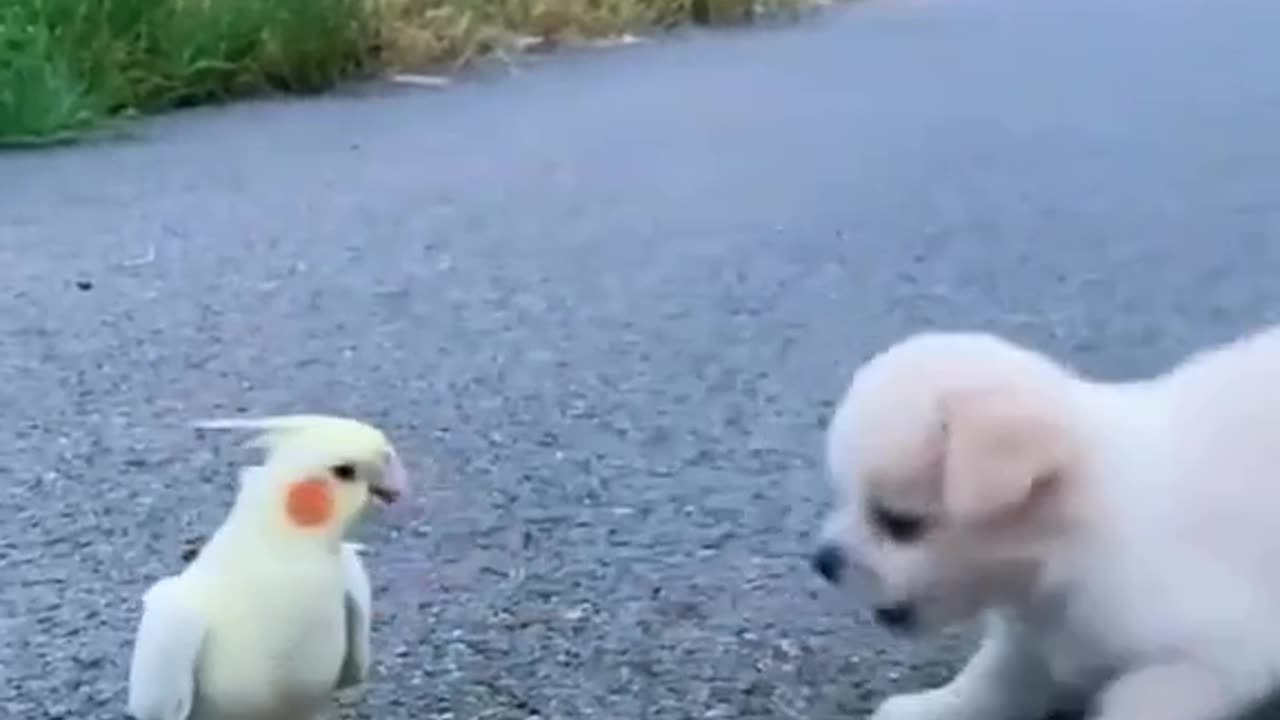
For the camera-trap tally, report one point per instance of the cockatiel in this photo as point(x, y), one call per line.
point(272, 616)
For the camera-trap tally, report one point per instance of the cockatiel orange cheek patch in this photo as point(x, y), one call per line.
point(309, 502)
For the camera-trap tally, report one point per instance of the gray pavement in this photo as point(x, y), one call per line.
point(603, 307)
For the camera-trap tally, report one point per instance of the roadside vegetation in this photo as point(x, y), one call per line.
point(71, 66)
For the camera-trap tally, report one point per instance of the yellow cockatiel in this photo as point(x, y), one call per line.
point(272, 616)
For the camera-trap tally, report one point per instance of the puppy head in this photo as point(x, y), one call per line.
point(950, 455)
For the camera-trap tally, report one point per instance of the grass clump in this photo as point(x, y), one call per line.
point(433, 32)
point(67, 66)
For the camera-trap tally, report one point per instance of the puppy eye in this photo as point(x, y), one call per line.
point(345, 472)
point(899, 526)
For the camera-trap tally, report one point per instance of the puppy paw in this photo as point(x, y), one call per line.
point(938, 704)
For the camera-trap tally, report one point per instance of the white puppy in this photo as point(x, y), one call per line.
point(1121, 540)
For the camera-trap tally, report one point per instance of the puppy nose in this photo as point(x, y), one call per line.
point(829, 562)
point(898, 616)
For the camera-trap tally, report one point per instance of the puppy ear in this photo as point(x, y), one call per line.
point(1003, 446)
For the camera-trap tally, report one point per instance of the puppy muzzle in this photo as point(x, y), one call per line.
point(833, 564)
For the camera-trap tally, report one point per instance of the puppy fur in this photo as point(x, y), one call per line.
point(1120, 541)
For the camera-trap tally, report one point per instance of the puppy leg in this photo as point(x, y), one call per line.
point(1006, 679)
point(1172, 691)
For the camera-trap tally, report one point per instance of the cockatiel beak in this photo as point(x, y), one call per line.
point(394, 481)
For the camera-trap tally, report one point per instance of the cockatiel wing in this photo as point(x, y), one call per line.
point(162, 670)
point(358, 601)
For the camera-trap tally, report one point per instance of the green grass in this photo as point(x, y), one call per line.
point(69, 66)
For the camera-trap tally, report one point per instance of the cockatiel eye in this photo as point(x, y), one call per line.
point(345, 472)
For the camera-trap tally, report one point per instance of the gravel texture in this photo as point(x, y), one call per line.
point(603, 308)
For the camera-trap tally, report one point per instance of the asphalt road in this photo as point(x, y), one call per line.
point(603, 308)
